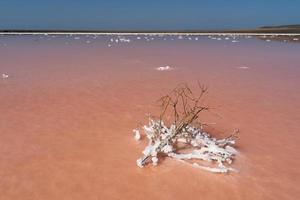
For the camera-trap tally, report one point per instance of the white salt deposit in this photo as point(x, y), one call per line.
point(218, 152)
point(166, 68)
point(137, 135)
point(4, 76)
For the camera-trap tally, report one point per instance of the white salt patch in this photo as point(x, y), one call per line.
point(154, 161)
point(4, 76)
point(234, 41)
point(124, 40)
point(77, 38)
point(137, 135)
point(139, 163)
point(166, 68)
point(295, 39)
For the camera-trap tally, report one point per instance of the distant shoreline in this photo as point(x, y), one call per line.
point(141, 33)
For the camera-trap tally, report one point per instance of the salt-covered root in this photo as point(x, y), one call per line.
point(205, 147)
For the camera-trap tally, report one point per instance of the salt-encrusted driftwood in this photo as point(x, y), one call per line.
point(185, 131)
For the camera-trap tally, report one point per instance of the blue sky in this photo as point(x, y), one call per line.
point(146, 15)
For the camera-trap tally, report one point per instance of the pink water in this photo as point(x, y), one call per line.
point(68, 109)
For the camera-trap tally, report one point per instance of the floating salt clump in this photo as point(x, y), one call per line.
point(4, 76)
point(109, 45)
point(77, 38)
point(295, 39)
point(124, 40)
point(268, 40)
point(88, 41)
point(234, 41)
point(137, 135)
point(166, 68)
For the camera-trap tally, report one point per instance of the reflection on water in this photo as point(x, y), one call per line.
point(69, 104)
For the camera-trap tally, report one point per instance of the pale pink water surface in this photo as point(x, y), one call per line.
point(68, 108)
